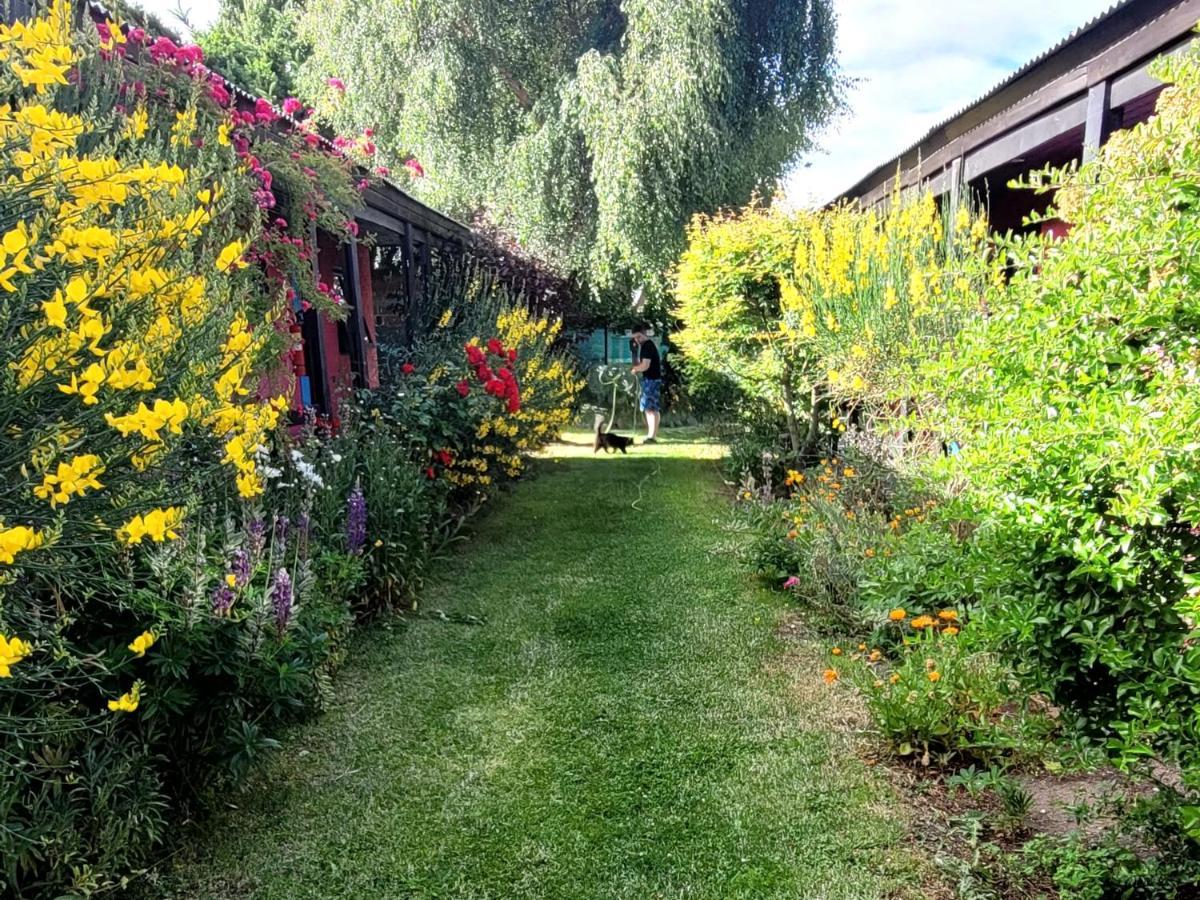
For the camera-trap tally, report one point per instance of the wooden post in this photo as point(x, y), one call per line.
point(410, 287)
point(955, 187)
point(1098, 124)
point(354, 322)
point(322, 396)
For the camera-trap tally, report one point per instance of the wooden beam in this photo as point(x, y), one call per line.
point(1150, 29)
point(1098, 120)
point(380, 222)
point(1028, 137)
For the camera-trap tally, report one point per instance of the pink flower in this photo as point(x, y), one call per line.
point(163, 48)
point(337, 84)
point(791, 582)
point(312, 140)
point(368, 147)
point(291, 106)
point(137, 35)
point(369, 132)
point(218, 93)
point(264, 111)
point(383, 171)
point(363, 184)
point(189, 55)
point(352, 227)
point(414, 168)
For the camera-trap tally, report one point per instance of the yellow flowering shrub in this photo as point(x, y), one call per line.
point(143, 285)
point(800, 309)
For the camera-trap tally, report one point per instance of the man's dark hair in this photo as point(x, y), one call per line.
point(641, 328)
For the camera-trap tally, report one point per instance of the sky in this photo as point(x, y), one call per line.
point(915, 63)
point(200, 13)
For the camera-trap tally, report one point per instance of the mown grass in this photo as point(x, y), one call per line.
point(619, 725)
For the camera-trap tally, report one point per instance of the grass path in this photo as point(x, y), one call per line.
point(625, 723)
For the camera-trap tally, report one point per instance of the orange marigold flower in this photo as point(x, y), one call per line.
point(948, 615)
point(830, 676)
point(950, 631)
point(875, 656)
point(836, 651)
point(878, 683)
point(869, 553)
point(922, 622)
point(935, 676)
point(862, 646)
point(895, 679)
point(898, 615)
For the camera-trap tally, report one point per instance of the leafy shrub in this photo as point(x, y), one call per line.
point(1077, 403)
point(177, 570)
point(928, 692)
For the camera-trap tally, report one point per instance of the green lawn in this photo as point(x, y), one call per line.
point(624, 723)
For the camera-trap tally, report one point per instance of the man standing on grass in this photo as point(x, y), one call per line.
point(646, 363)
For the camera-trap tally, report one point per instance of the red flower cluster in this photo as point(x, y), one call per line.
point(408, 368)
point(501, 384)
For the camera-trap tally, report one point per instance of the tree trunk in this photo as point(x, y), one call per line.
point(816, 405)
point(789, 406)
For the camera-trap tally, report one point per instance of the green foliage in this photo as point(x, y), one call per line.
point(592, 131)
point(1078, 406)
point(255, 44)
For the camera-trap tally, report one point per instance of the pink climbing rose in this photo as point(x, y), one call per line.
point(415, 168)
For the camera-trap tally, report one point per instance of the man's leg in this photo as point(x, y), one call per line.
point(653, 417)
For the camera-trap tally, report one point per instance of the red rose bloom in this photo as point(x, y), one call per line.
point(408, 368)
point(463, 388)
point(474, 355)
point(495, 347)
point(430, 473)
point(512, 356)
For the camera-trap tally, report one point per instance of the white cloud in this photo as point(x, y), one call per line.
point(198, 14)
point(915, 64)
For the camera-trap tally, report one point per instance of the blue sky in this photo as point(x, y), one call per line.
point(917, 62)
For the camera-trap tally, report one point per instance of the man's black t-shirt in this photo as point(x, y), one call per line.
point(647, 351)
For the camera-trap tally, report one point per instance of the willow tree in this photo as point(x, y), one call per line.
point(592, 129)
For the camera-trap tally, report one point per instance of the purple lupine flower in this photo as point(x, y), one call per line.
point(283, 528)
point(281, 599)
point(222, 599)
point(256, 537)
point(239, 565)
point(303, 527)
point(356, 520)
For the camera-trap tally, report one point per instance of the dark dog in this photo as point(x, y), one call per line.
point(610, 441)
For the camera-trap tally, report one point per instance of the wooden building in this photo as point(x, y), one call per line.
point(1057, 108)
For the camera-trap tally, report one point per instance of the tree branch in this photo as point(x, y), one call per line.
point(519, 90)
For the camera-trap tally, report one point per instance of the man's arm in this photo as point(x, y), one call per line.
point(639, 367)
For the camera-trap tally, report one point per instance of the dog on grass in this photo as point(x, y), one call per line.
point(608, 440)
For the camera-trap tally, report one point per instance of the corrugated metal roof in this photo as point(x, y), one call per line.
point(1032, 64)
